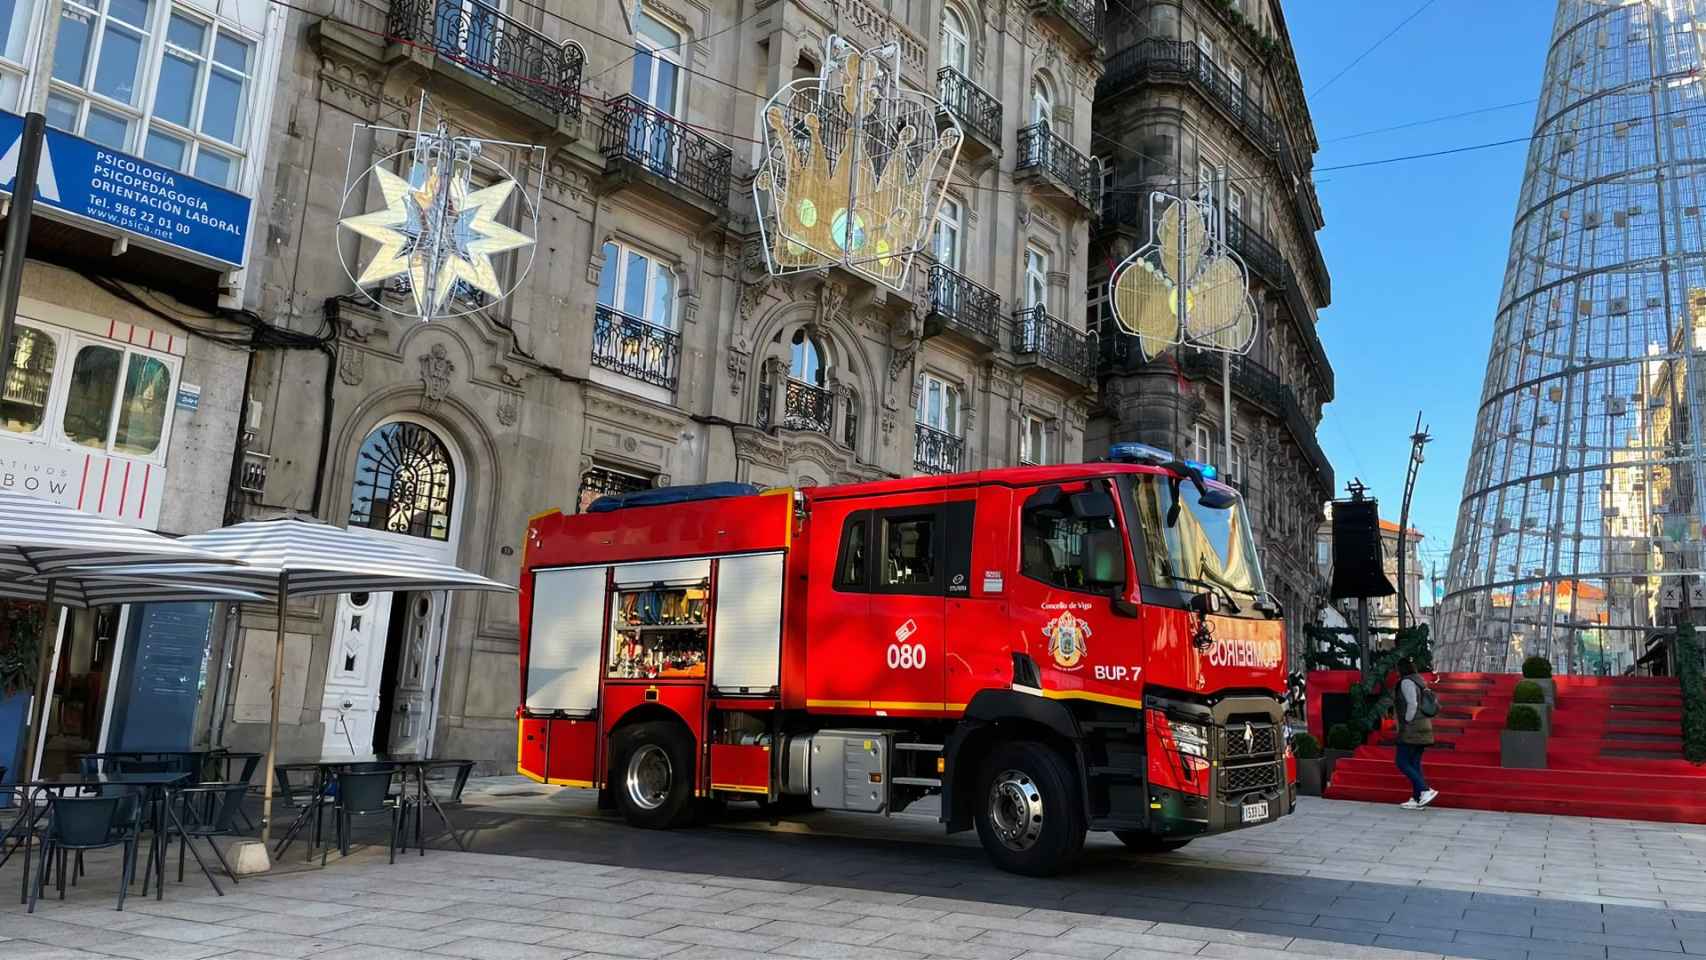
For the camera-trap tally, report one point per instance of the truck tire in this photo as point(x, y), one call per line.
point(652, 777)
point(1029, 814)
point(1144, 842)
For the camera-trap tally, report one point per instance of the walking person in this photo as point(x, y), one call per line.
point(1415, 731)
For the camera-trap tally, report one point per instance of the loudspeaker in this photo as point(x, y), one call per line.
point(1358, 564)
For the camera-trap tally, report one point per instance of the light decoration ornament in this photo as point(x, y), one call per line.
point(853, 167)
point(1185, 287)
point(437, 233)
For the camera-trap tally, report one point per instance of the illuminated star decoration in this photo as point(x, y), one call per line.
point(436, 232)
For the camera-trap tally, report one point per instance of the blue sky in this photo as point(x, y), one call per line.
point(1416, 249)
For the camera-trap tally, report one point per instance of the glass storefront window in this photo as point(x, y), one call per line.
point(89, 408)
point(28, 381)
point(142, 413)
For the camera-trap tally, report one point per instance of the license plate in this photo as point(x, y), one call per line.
point(1254, 812)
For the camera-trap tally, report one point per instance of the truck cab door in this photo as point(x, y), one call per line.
point(906, 644)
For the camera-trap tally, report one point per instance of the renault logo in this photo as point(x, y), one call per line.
point(1249, 738)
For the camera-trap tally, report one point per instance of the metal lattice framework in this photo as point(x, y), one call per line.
point(1582, 503)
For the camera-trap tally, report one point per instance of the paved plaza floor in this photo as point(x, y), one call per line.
point(551, 878)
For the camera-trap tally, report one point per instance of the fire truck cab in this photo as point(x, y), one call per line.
point(1040, 650)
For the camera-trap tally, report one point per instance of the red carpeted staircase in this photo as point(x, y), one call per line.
point(1615, 751)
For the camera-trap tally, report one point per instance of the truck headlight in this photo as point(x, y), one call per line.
point(1190, 738)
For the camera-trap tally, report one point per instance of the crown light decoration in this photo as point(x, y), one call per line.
point(1185, 287)
point(853, 167)
point(436, 230)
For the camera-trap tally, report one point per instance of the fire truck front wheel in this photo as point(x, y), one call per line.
point(1030, 817)
point(654, 774)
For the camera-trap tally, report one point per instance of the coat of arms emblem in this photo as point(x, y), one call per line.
point(1066, 634)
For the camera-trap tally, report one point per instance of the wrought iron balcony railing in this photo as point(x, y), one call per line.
point(936, 451)
point(1256, 382)
point(1183, 61)
point(1261, 256)
point(805, 407)
point(1044, 150)
point(1084, 16)
point(976, 110)
point(665, 147)
point(959, 303)
point(503, 50)
point(1040, 338)
point(634, 348)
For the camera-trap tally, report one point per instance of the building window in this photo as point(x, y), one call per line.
point(950, 223)
point(1235, 73)
point(1205, 43)
point(638, 285)
point(1204, 443)
point(1033, 441)
point(404, 483)
point(956, 47)
point(805, 360)
point(1036, 277)
point(14, 27)
point(1097, 310)
point(1235, 202)
point(850, 429)
point(28, 385)
point(194, 120)
point(1208, 182)
point(599, 481)
point(939, 405)
point(110, 397)
point(657, 64)
point(1042, 101)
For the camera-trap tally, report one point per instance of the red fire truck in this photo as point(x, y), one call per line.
point(1047, 650)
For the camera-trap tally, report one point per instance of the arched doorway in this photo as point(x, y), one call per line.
point(383, 669)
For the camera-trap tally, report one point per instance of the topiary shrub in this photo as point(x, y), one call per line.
point(1527, 691)
point(1692, 678)
point(1305, 747)
point(1537, 668)
point(1341, 737)
point(1523, 717)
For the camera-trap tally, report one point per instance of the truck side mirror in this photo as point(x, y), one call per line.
point(1216, 499)
point(1092, 505)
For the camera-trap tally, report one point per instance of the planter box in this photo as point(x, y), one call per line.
point(1550, 687)
point(1522, 750)
point(1329, 760)
point(1311, 776)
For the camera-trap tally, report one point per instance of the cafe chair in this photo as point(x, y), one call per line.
point(79, 824)
point(417, 806)
point(207, 811)
point(301, 788)
point(362, 794)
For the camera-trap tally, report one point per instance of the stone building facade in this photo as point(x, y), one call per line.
point(648, 345)
point(1201, 98)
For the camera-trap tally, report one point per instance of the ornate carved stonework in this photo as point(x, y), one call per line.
point(888, 424)
point(509, 408)
point(752, 293)
point(737, 365)
point(350, 366)
point(1023, 214)
point(755, 446)
point(436, 368)
point(832, 301)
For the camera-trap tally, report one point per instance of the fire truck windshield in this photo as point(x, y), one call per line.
point(1186, 543)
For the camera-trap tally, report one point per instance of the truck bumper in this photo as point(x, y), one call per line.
point(1175, 813)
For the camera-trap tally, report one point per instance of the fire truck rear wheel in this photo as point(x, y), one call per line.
point(654, 774)
point(1144, 842)
point(1030, 818)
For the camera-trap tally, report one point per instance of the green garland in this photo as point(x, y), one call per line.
point(20, 626)
point(1371, 700)
point(1689, 672)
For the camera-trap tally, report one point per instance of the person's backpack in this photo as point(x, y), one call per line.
point(1427, 702)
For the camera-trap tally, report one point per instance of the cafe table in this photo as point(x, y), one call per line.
point(413, 770)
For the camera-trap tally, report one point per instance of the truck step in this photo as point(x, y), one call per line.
point(1124, 773)
point(916, 781)
point(1121, 726)
point(921, 747)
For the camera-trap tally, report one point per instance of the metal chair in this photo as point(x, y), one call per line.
point(250, 762)
point(365, 793)
point(207, 811)
point(307, 792)
point(459, 771)
point(78, 824)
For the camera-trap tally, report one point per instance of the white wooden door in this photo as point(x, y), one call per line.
point(412, 699)
point(353, 670)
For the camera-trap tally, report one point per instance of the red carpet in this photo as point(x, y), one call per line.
point(1615, 751)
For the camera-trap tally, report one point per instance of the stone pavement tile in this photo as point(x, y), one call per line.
point(399, 904)
point(275, 944)
point(720, 921)
point(1347, 951)
point(1234, 951)
point(620, 926)
point(907, 911)
point(1039, 955)
point(1037, 928)
point(853, 893)
point(1673, 942)
point(475, 949)
point(1218, 914)
point(816, 932)
point(953, 949)
point(838, 951)
point(708, 937)
point(948, 905)
point(508, 931)
point(1215, 934)
point(1327, 934)
point(1540, 948)
point(771, 911)
point(301, 926)
point(722, 904)
point(921, 928)
point(1635, 953)
point(183, 931)
point(27, 950)
point(105, 918)
point(1474, 951)
point(121, 944)
point(1511, 923)
point(362, 951)
point(1343, 925)
point(610, 944)
point(198, 912)
point(1066, 947)
point(1583, 920)
point(289, 906)
point(592, 906)
point(384, 935)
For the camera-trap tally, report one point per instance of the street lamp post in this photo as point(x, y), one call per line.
point(23, 201)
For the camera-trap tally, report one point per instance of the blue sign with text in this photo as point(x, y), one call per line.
point(87, 180)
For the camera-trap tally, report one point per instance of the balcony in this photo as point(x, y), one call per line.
point(1049, 344)
point(805, 407)
point(1081, 18)
point(1049, 158)
point(979, 113)
point(1255, 383)
point(640, 138)
point(1175, 61)
point(962, 307)
point(1260, 255)
point(488, 44)
point(936, 451)
point(634, 348)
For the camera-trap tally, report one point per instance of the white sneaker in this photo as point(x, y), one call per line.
point(1427, 797)
point(1410, 805)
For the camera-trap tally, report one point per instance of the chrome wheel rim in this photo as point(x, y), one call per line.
point(649, 776)
point(1016, 810)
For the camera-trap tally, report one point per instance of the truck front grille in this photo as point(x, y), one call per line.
point(1237, 780)
point(1249, 741)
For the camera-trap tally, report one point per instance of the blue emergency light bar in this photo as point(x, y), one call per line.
point(1144, 453)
